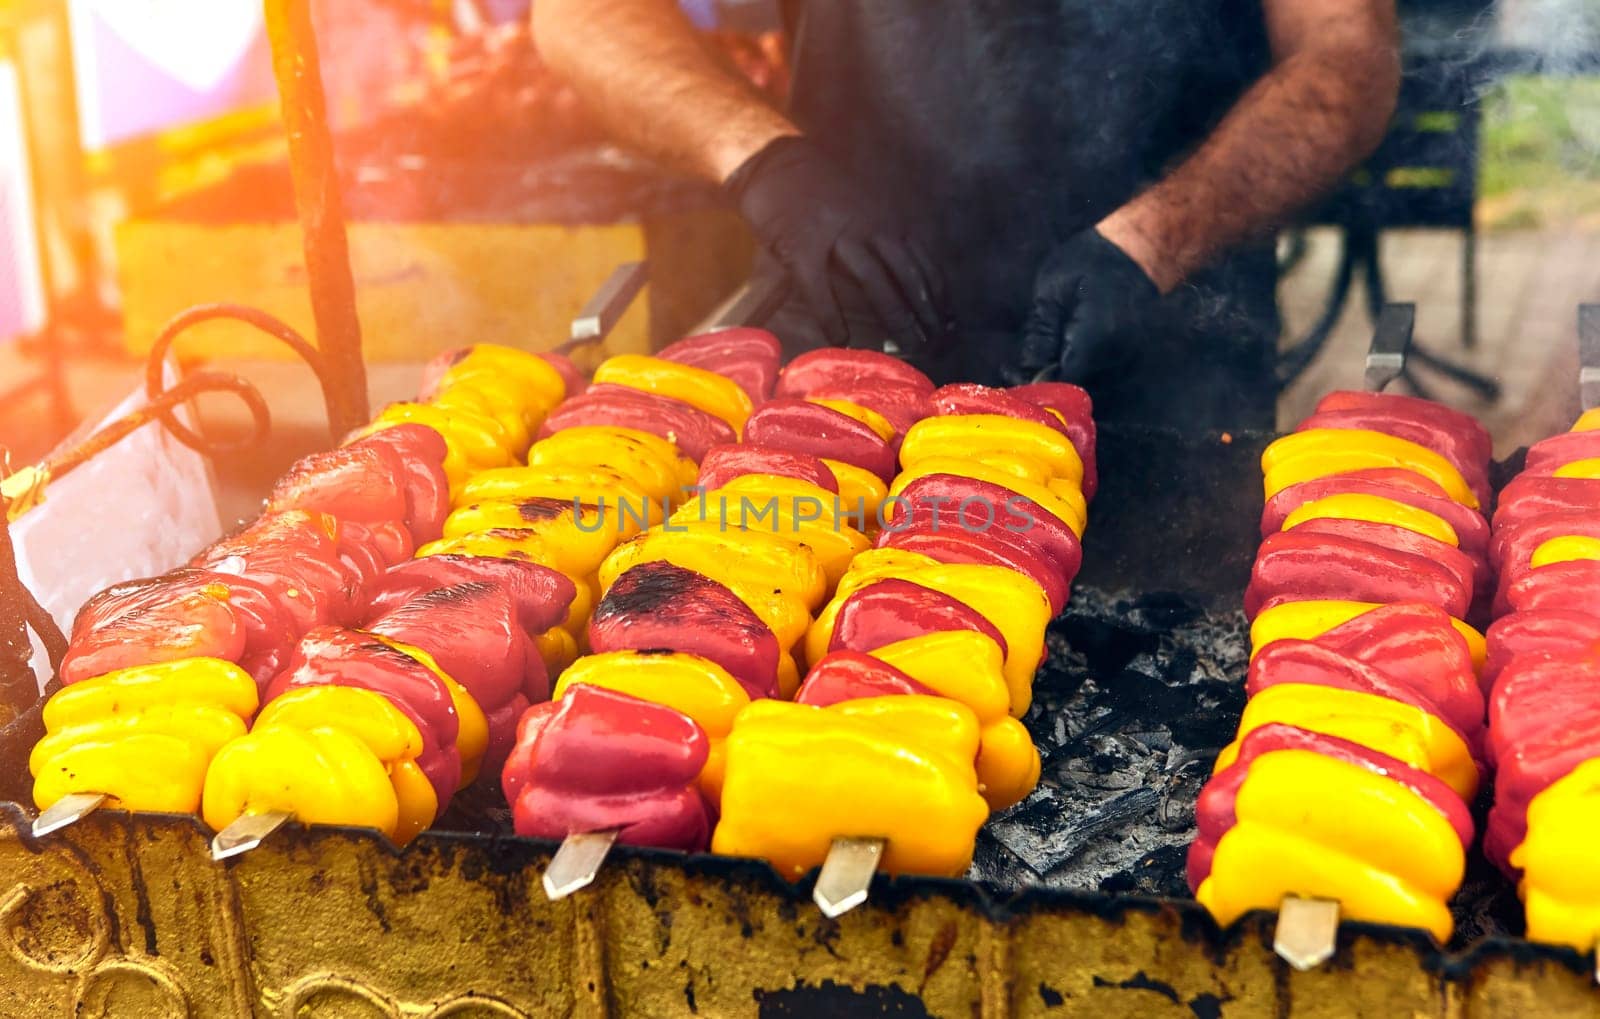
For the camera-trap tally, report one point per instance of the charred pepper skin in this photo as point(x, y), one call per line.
point(597, 759)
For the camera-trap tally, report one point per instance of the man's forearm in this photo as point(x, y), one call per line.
point(639, 65)
point(1289, 139)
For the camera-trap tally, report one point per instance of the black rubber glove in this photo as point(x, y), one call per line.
point(829, 237)
point(1091, 306)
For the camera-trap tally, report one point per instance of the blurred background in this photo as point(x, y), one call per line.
point(143, 169)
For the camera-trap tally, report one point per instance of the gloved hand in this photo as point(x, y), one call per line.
point(1091, 305)
point(827, 234)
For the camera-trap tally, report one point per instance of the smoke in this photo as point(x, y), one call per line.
point(1556, 37)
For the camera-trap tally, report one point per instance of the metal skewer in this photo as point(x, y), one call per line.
point(1391, 342)
point(246, 833)
point(608, 305)
point(847, 874)
point(577, 862)
point(1307, 932)
point(68, 810)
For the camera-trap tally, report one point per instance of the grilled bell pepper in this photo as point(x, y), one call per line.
point(852, 675)
point(861, 493)
point(605, 487)
point(749, 357)
point(987, 506)
point(1471, 574)
point(900, 404)
point(1398, 865)
point(1034, 501)
point(1574, 584)
point(480, 441)
point(690, 429)
point(1072, 406)
point(1548, 456)
point(879, 424)
point(1534, 495)
point(543, 596)
point(1308, 619)
point(650, 461)
point(325, 775)
point(185, 614)
point(764, 509)
point(541, 381)
point(1550, 631)
point(698, 687)
point(143, 735)
point(1215, 810)
point(1471, 434)
point(1015, 605)
point(724, 463)
point(497, 400)
point(1403, 486)
point(965, 666)
point(1461, 451)
point(1559, 890)
point(967, 435)
point(836, 366)
point(361, 482)
point(597, 759)
point(1375, 509)
point(988, 549)
point(896, 768)
point(1403, 731)
point(1296, 566)
point(708, 391)
point(804, 427)
point(576, 537)
point(422, 452)
point(891, 610)
point(1303, 456)
point(657, 605)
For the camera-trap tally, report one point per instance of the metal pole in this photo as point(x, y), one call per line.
point(296, 65)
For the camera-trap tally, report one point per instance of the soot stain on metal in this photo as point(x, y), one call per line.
point(1141, 982)
point(141, 893)
point(1050, 996)
point(367, 881)
point(939, 950)
point(838, 1002)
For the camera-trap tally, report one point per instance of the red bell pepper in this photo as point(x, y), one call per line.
point(1471, 573)
point(724, 463)
point(542, 595)
point(1460, 449)
point(1545, 631)
point(804, 427)
point(1300, 567)
point(886, 611)
point(1472, 437)
point(658, 605)
point(576, 381)
point(1418, 645)
point(691, 429)
point(843, 366)
point(852, 675)
point(1546, 456)
point(472, 632)
point(901, 404)
point(421, 452)
point(1077, 410)
point(1214, 811)
point(335, 656)
point(294, 554)
point(1404, 486)
point(598, 760)
point(1534, 495)
point(750, 357)
point(950, 502)
point(358, 482)
point(145, 622)
point(1568, 585)
point(992, 548)
point(1528, 769)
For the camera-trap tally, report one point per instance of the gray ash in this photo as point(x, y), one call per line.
point(1132, 705)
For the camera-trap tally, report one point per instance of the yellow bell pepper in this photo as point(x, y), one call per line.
point(866, 415)
point(1589, 468)
point(325, 775)
point(198, 680)
point(653, 463)
point(788, 674)
point(510, 398)
point(558, 647)
point(1307, 620)
point(861, 493)
point(605, 487)
point(1403, 731)
point(1376, 509)
point(384, 728)
point(964, 435)
point(457, 469)
point(1018, 465)
point(694, 686)
point(142, 736)
point(577, 542)
point(896, 768)
point(1070, 508)
point(758, 505)
point(492, 403)
point(540, 381)
point(1565, 549)
point(1560, 888)
point(1016, 606)
point(479, 438)
point(499, 543)
point(1320, 452)
point(966, 666)
point(715, 394)
point(1363, 839)
point(472, 727)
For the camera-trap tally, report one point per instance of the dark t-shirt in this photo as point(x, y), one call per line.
point(999, 127)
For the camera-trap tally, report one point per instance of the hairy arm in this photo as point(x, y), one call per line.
point(642, 68)
point(1324, 106)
